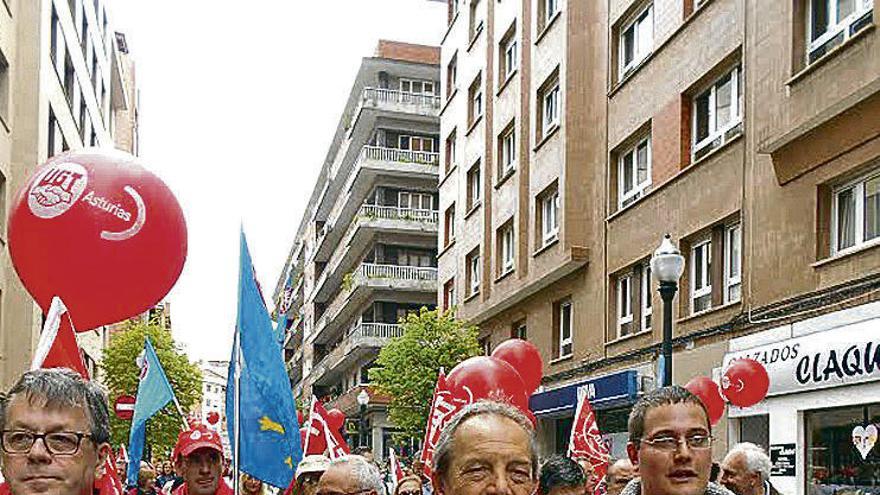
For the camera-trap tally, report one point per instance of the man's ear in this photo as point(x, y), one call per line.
point(103, 452)
point(632, 451)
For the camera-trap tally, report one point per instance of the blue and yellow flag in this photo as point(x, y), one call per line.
point(269, 446)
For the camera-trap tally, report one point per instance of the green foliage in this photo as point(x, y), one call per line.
point(122, 373)
point(347, 281)
point(408, 366)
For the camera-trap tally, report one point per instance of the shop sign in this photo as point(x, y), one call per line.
point(782, 456)
point(603, 392)
point(842, 356)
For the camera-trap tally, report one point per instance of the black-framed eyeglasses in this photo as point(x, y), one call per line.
point(670, 443)
point(57, 442)
point(359, 492)
point(410, 492)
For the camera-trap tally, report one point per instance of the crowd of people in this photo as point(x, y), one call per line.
point(55, 438)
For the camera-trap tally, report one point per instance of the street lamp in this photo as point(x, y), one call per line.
point(667, 265)
point(363, 398)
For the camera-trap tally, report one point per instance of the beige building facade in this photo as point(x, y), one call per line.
point(60, 86)
point(746, 130)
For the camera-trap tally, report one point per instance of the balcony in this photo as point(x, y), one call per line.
point(362, 339)
point(396, 102)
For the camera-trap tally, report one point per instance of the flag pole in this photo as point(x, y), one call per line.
point(237, 400)
point(180, 411)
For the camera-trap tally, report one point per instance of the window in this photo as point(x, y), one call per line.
point(647, 293)
point(634, 173)
point(548, 96)
point(550, 7)
point(485, 344)
point(473, 272)
point(475, 101)
point(732, 263)
point(415, 200)
point(451, 75)
point(856, 213)
point(549, 216)
point(831, 22)
point(474, 187)
point(624, 305)
point(449, 225)
point(507, 151)
point(57, 42)
point(718, 113)
point(508, 55)
point(4, 87)
point(417, 87)
point(449, 294)
point(564, 328)
point(701, 276)
point(832, 461)
point(415, 143)
point(636, 40)
point(477, 22)
point(506, 247)
point(449, 163)
point(452, 10)
point(519, 330)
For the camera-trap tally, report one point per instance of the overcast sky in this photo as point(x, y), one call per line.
point(239, 102)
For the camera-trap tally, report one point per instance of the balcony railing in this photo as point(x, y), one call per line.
point(396, 272)
point(396, 213)
point(375, 331)
point(399, 156)
point(379, 95)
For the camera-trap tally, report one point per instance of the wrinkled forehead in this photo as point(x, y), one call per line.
point(339, 478)
point(25, 409)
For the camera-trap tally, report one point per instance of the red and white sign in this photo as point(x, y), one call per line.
point(124, 407)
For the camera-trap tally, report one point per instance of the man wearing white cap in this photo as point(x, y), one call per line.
point(308, 472)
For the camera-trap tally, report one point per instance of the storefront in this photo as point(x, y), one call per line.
point(611, 396)
point(821, 417)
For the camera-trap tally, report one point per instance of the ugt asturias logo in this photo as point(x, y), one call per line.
point(57, 189)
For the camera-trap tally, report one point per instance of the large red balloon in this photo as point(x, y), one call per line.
point(745, 383)
point(98, 230)
point(484, 377)
point(525, 359)
point(335, 419)
point(708, 392)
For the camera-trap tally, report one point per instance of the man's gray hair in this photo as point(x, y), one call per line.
point(757, 460)
point(61, 387)
point(657, 398)
point(363, 471)
point(443, 450)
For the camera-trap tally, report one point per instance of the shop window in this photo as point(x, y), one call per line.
point(834, 463)
point(831, 22)
point(718, 113)
point(635, 40)
point(856, 213)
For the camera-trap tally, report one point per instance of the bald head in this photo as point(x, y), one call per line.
point(620, 473)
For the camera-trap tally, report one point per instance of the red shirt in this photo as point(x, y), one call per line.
point(222, 489)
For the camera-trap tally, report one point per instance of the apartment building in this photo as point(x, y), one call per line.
point(749, 132)
point(366, 249)
point(60, 84)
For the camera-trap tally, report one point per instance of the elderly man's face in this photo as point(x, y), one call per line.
point(201, 471)
point(339, 480)
point(682, 470)
point(736, 477)
point(40, 472)
point(619, 474)
point(490, 454)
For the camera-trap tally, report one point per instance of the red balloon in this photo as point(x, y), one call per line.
point(316, 439)
point(213, 417)
point(335, 419)
point(525, 359)
point(745, 383)
point(98, 230)
point(484, 377)
point(708, 392)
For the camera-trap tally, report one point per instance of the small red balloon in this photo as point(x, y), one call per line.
point(484, 377)
point(745, 383)
point(525, 359)
point(335, 419)
point(97, 229)
point(213, 417)
point(709, 393)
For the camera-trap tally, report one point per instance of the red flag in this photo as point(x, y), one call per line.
point(58, 347)
point(586, 442)
point(395, 467)
point(336, 445)
point(443, 407)
point(108, 483)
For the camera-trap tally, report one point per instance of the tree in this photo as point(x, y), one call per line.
point(122, 376)
point(408, 365)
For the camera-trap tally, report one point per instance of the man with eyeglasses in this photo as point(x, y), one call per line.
point(670, 440)
point(487, 447)
point(198, 458)
point(351, 475)
point(55, 434)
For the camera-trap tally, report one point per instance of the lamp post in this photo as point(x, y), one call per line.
point(363, 398)
point(667, 265)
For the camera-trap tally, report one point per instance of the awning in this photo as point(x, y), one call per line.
point(605, 392)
